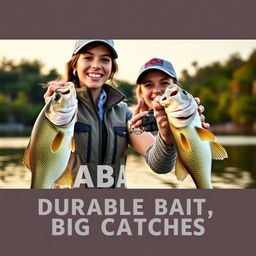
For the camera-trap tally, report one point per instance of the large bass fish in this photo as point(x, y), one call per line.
point(196, 146)
point(51, 141)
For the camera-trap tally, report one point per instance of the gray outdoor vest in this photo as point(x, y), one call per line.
point(88, 134)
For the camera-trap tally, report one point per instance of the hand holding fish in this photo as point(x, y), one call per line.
point(136, 123)
point(51, 141)
point(202, 117)
point(162, 121)
point(52, 86)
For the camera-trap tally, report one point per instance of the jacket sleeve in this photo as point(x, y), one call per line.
point(161, 157)
point(128, 114)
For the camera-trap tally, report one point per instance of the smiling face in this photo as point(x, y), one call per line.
point(154, 83)
point(94, 67)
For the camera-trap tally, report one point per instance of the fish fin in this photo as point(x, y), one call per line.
point(205, 134)
point(218, 152)
point(65, 180)
point(184, 142)
point(180, 171)
point(26, 159)
point(72, 145)
point(56, 143)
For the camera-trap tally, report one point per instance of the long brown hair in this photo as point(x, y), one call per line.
point(69, 74)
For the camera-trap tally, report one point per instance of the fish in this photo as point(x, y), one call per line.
point(51, 141)
point(196, 146)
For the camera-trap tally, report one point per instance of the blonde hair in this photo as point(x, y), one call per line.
point(69, 74)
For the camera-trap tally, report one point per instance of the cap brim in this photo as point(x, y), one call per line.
point(113, 51)
point(153, 68)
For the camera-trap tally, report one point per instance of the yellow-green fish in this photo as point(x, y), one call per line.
point(51, 141)
point(196, 146)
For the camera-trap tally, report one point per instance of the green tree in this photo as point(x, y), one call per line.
point(223, 109)
point(220, 87)
point(21, 85)
point(128, 90)
point(242, 111)
point(5, 108)
point(23, 110)
point(244, 76)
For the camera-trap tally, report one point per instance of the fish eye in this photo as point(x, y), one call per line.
point(57, 97)
point(184, 92)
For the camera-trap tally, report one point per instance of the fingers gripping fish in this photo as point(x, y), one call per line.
point(196, 146)
point(51, 141)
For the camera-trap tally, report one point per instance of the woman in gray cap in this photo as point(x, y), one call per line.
point(153, 79)
point(101, 135)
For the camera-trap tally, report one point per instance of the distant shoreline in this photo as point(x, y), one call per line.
point(16, 142)
point(234, 129)
point(13, 129)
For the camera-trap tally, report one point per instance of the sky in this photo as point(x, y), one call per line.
point(132, 53)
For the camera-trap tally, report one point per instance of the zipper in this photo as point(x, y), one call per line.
point(107, 144)
point(100, 126)
point(115, 147)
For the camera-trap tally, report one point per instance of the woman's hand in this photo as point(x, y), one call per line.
point(202, 117)
point(53, 85)
point(136, 120)
point(160, 116)
point(162, 121)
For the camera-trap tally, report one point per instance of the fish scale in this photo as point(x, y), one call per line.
point(199, 158)
point(46, 159)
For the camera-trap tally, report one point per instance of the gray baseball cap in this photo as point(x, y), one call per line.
point(82, 43)
point(159, 64)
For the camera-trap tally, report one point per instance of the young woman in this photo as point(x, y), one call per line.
point(101, 135)
point(154, 77)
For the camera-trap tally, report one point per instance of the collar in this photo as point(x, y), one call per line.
point(113, 96)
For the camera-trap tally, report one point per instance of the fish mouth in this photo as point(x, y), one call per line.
point(171, 94)
point(185, 117)
point(58, 94)
point(66, 92)
point(63, 91)
point(66, 89)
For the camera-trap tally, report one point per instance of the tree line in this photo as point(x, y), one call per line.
point(226, 89)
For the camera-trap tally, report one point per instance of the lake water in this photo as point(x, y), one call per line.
point(238, 171)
